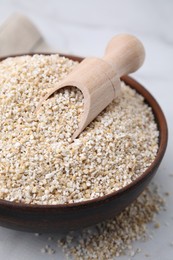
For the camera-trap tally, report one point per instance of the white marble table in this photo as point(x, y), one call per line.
point(83, 28)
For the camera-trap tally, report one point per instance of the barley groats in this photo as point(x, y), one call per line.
point(40, 164)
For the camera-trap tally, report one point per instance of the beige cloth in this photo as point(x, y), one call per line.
point(19, 35)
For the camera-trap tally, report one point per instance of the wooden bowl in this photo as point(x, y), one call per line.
point(58, 218)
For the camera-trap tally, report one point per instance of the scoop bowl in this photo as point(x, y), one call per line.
point(61, 218)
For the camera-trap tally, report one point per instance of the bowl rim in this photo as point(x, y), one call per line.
point(163, 139)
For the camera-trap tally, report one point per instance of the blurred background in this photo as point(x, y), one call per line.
point(83, 28)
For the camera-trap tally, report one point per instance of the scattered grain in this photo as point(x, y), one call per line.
point(157, 225)
point(48, 250)
point(37, 234)
point(167, 193)
point(115, 237)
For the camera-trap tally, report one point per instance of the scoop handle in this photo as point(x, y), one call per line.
point(125, 53)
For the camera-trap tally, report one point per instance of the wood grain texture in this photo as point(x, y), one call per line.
point(99, 79)
point(58, 218)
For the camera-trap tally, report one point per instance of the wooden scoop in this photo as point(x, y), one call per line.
point(99, 79)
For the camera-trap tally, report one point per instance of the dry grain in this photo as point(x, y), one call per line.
point(40, 164)
point(115, 237)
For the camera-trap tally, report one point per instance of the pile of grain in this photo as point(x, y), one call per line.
point(40, 164)
point(114, 237)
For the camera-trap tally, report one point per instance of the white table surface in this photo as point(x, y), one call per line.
point(83, 28)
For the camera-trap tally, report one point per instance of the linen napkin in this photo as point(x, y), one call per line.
point(19, 35)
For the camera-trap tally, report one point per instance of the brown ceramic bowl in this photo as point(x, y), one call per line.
point(47, 218)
